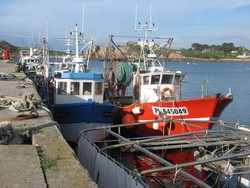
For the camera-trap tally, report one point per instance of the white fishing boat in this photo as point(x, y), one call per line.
point(31, 61)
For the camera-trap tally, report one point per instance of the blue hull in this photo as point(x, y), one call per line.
point(84, 113)
point(74, 118)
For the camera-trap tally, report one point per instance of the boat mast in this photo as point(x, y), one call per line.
point(77, 43)
point(77, 60)
point(46, 50)
point(147, 27)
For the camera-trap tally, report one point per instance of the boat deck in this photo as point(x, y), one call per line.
point(223, 151)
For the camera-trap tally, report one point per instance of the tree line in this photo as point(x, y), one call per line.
point(226, 47)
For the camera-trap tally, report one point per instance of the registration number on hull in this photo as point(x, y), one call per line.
point(169, 111)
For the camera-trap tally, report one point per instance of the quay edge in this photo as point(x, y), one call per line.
point(19, 162)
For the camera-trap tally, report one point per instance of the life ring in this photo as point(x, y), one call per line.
point(166, 92)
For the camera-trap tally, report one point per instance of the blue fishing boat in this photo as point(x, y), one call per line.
point(78, 104)
point(75, 95)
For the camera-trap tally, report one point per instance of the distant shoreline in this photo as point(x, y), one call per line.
point(247, 60)
point(184, 59)
point(180, 58)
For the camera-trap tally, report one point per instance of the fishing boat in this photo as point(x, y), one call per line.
point(31, 61)
point(157, 92)
point(75, 94)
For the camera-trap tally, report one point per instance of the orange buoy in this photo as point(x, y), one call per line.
point(127, 119)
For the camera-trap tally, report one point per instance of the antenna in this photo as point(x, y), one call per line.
point(150, 14)
point(32, 39)
point(135, 15)
point(66, 33)
point(83, 18)
point(39, 38)
point(47, 30)
point(147, 26)
point(67, 42)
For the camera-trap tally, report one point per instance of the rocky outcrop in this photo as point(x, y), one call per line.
point(176, 57)
point(100, 52)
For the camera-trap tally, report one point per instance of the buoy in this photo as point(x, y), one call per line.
point(137, 110)
point(156, 125)
point(127, 119)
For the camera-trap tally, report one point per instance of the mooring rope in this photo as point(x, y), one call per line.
point(36, 126)
point(7, 130)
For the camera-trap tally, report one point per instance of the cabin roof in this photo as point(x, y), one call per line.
point(81, 75)
point(161, 73)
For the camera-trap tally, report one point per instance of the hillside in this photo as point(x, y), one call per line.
point(13, 49)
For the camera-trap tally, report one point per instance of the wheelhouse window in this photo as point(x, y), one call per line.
point(145, 80)
point(62, 88)
point(155, 79)
point(149, 63)
point(157, 64)
point(167, 79)
point(87, 88)
point(74, 88)
point(98, 88)
point(176, 79)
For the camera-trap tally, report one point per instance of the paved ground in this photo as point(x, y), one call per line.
point(20, 167)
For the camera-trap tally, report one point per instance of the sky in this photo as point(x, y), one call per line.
point(212, 22)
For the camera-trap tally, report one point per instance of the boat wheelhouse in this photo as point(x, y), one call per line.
point(78, 88)
point(159, 85)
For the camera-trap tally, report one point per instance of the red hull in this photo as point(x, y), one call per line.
point(200, 109)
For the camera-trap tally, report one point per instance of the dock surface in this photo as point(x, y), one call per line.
point(20, 162)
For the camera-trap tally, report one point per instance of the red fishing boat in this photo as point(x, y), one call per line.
point(157, 94)
point(177, 116)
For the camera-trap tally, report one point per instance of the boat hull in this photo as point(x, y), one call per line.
point(74, 118)
point(71, 132)
point(200, 111)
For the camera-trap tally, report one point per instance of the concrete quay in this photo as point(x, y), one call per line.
point(45, 160)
